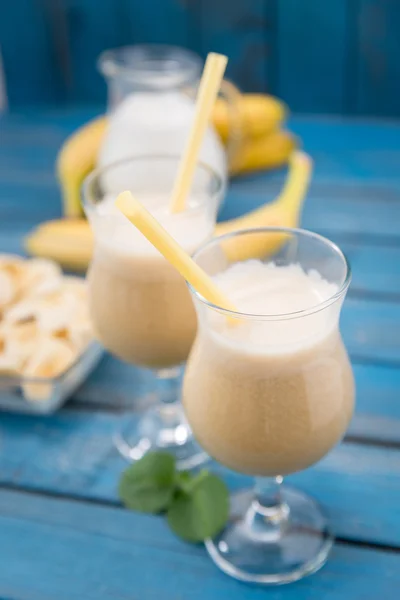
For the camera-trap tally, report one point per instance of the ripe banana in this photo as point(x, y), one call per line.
point(70, 241)
point(284, 211)
point(75, 160)
point(268, 152)
point(257, 115)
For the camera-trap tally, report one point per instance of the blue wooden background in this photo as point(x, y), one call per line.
point(340, 56)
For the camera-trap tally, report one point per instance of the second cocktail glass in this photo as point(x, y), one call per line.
point(269, 390)
point(141, 307)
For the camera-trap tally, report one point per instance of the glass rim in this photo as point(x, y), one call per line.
point(278, 316)
point(110, 64)
point(93, 175)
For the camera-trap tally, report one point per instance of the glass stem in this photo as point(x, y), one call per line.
point(168, 385)
point(169, 391)
point(268, 513)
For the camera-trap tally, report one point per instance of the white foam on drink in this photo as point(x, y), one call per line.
point(267, 289)
point(190, 228)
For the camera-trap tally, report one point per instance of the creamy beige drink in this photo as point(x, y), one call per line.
point(141, 307)
point(269, 396)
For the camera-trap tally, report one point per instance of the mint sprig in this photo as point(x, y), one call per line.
point(196, 505)
point(199, 510)
point(148, 484)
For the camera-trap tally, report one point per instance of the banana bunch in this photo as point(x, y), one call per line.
point(257, 121)
point(70, 241)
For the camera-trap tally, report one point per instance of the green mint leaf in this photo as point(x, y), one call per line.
point(183, 481)
point(148, 485)
point(201, 509)
point(186, 482)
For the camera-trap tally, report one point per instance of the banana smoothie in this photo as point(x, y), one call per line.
point(269, 392)
point(141, 307)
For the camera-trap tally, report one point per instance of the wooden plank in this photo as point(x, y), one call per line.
point(371, 330)
point(157, 22)
point(244, 30)
point(351, 149)
point(334, 209)
point(378, 392)
point(375, 268)
point(95, 553)
point(377, 416)
point(75, 456)
point(26, 205)
point(378, 68)
point(91, 27)
point(346, 216)
point(117, 385)
point(366, 428)
point(359, 154)
point(311, 55)
point(28, 57)
point(351, 213)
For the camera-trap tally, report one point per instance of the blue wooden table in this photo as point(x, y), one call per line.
point(63, 533)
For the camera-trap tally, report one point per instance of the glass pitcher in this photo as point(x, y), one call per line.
point(151, 99)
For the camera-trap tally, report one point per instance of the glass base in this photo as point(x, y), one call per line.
point(162, 427)
point(252, 550)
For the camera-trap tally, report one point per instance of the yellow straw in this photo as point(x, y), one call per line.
point(209, 86)
point(171, 250)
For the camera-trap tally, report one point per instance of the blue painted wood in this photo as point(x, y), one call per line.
point(27, 152)
point(356, 165)
point(157, 21)
point(338, 57)
point(375, 268)
point(354, 151)
point(26, 46)
point(104, 552)
point(371, 330)
point(91, 27)
point(244, 30)
point(75, 456)
point(115, 386)
point(378, 66)
point(101, 553)
point(312, 52)
point(345, 210)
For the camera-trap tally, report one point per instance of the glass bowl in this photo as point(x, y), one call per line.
point(37, 395)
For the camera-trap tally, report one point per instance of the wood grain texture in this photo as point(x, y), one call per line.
point(311, 55)
point(27, 56)
point(115, 386)
point(87, 547)
point(102, 553)
point(91, 27)
point(158, 21)
point(75, 456)
point(244, 30)
point(338, 57)
point(378, 48)
point(355, 171)
point(371, 330)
